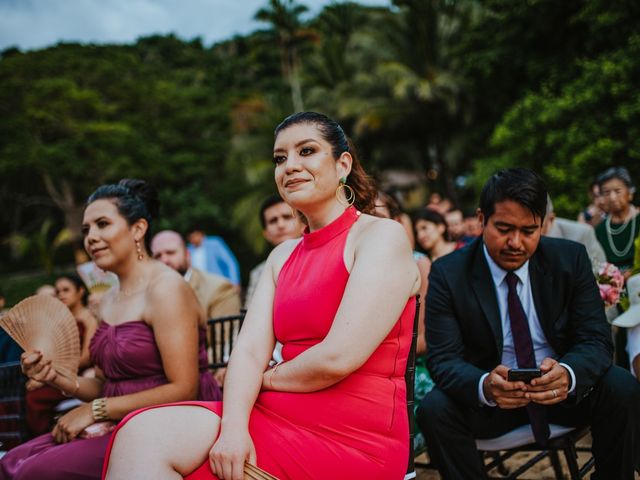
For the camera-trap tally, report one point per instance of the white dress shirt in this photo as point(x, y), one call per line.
point(541, 347)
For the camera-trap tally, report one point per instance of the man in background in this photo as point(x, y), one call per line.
point(212, 255)
point(215, 293)
point(279, 223)
point(456, 227)
point(583, 233)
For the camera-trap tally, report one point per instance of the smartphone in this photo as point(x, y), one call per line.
point(523, 374)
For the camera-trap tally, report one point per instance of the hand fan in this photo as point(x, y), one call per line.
point(44, 323)
point(251, 472)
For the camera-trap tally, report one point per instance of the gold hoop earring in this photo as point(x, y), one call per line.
point(348, 193)
point(139, 250)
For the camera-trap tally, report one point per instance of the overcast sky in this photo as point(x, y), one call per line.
point(33, 24)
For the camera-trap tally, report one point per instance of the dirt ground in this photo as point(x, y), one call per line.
point(541, 471)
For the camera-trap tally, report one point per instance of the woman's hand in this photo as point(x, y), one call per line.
point(38, 369)
point(71, 424)
point(228, 454)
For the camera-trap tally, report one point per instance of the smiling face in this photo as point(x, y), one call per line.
point(511, 234)
point(306, 172)
point(68, 293)
point(108, 238)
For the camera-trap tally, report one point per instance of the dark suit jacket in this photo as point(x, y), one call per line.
point(464, 331)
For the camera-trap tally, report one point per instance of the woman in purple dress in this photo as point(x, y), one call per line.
point(149, 348)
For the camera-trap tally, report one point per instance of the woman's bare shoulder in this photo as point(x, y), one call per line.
point(376, 230)
point(164, 280)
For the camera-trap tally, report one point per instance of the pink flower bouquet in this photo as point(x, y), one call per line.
point(610, 283)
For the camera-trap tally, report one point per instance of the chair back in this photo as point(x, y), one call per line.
point(409, 378)
point(13, 429)
point(223, 332)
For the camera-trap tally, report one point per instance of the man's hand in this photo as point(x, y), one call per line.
point(505, 394)
point(552, 387)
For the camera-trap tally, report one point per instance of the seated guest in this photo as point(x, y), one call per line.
point(279, 223)
point(146, 350)
point(217, 296)
point(472, 227)
point(596, 211)
point(9, 350)
point(340, 300)
point(617, 234)
point(456, 228)
point(514, 299)
point(211, 254)
point(41, 402)
point(432, 234)
point(578, 232)
point(71, 290)
point(618, 231)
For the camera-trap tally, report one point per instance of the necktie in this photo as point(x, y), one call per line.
point(525, 356)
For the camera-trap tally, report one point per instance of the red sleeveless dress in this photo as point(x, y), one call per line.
point(357, 428)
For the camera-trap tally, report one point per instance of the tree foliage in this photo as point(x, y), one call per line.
point(453, 88)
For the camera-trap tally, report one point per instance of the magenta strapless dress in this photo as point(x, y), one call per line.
point(357, 428)
point(130, 359)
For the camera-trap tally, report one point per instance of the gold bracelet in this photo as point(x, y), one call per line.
point(75, 391)
point(273, 372)
point(99, 409)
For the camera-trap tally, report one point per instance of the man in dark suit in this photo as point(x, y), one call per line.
point(513, 299)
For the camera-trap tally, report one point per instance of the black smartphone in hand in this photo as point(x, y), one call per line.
point(523, 374)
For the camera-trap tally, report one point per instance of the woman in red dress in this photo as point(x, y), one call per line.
point(340, 300)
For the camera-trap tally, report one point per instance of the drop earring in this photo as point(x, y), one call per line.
point(139, 250)
point(348, 195)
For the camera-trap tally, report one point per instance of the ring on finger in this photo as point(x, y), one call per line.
point(554, 392)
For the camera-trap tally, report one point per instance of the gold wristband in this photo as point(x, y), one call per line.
point(75, 391)
point(99, 409)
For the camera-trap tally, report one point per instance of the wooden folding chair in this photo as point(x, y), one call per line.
point(13, 424)
point(223, 332)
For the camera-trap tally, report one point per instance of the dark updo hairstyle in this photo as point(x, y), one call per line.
point(331, 132)
point(430, 215)
point(135, 199)
point(79, 283)
point(520, 185)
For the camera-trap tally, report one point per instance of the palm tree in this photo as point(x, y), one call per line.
point(284, 17)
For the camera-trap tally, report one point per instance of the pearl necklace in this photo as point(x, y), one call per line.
point(611, 232)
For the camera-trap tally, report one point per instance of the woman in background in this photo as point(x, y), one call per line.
point(431, 234)
point(148, 349)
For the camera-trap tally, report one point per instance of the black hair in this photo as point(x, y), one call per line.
point(430, 215)
point(79, 283)
point(620, 173)
point(518, 184)
point(391, 203)
point(332, 132)
point(135, 199)
point(268, 202)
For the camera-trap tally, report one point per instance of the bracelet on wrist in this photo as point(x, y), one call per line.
point(273, 372)
point(99, 409)
point(75, 390)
